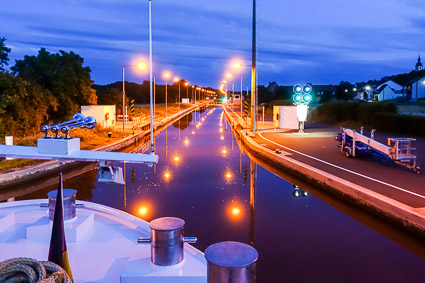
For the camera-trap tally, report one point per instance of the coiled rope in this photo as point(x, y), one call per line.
point(24, 269)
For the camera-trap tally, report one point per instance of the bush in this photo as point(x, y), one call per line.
point(334, 112)
point(399, 124)
point(360, 112)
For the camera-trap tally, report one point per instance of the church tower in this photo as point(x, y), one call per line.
point(419, 66)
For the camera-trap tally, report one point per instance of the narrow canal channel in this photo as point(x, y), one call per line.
point(205, 178)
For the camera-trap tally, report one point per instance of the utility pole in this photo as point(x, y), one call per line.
point(253, 70)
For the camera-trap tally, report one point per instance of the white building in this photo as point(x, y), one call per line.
point(395, 86)
point(418, 89)
point(385, 92)
point(104, 114)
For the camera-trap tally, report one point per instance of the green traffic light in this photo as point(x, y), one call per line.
point(307, 98)
point(297, 97)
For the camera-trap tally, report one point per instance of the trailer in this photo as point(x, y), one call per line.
point(398, 150)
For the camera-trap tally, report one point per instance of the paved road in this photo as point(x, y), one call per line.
point(318, 148)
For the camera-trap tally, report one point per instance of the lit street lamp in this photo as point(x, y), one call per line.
point(186, 84)
point(178, 80)
point(238, 66)
point(140, 66)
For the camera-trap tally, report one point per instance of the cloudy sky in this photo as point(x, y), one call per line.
point(321, 42)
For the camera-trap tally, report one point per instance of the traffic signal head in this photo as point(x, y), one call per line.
point(297, 98)
point(307, 98)
point(298, 88)
point(307, 88)
point(302, 94)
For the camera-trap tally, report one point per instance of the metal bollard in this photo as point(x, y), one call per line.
point(8, 141)
point(230, 262)
point(167, 241)
point(69, 196)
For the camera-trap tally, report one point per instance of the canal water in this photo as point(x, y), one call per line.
point(302, 235)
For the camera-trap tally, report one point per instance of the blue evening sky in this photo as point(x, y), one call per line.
point(321, 42)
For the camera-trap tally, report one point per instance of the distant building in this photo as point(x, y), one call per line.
point(418, 89)
point(419, 66)
point(385, 92)
point(104, 114)
point(398, 89)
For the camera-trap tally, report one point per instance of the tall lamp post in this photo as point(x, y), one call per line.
point(253, 68)
point(237, 66)
point(193, 87)
point(140, 66)
point(225, 92)
point(152, 149)
point(166, 76)
point(229, 76)
point(186, 84)
point(178, 80)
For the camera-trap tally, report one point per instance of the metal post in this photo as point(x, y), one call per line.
point(154, 95)
point(263, 115)
point(253, 69)
point(231, 262)
point(233, 94)
point(241, 96)
point(150, 74)
point(166, 98)
point(179, 96)
point(123, 100)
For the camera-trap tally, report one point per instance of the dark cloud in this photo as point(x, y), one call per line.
point(328, 42)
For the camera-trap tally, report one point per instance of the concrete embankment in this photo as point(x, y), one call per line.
point(52, 167)
point(408, 217)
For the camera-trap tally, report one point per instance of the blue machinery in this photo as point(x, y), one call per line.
point(398, 150)
point(67, 148)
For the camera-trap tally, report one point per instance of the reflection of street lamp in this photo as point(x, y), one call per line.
point(167, 175)
point(140, 66)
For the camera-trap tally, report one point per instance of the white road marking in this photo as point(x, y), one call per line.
point(344, 169)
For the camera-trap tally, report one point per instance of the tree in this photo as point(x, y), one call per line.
point(23, 106)
point(63, 75)
point(345, 91)
point(4, 54)
point(111, 96)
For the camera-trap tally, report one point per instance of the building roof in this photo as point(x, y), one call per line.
point(391, 84)
point(419, 63)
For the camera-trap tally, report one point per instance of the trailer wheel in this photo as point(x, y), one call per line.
point(347, 152)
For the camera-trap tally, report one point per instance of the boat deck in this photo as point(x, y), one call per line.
point(101, 241)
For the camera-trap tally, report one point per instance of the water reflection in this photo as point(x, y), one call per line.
point(256, 206)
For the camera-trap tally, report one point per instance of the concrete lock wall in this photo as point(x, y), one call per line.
point(285, 117)
point(104, 114)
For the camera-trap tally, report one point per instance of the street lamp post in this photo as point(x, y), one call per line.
point(152, 149)
point(253, 68)
point(140, 66)
point(166, 76)
point(178, 80)
point(123, 100)
point(187, 89)
point(237, 66)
